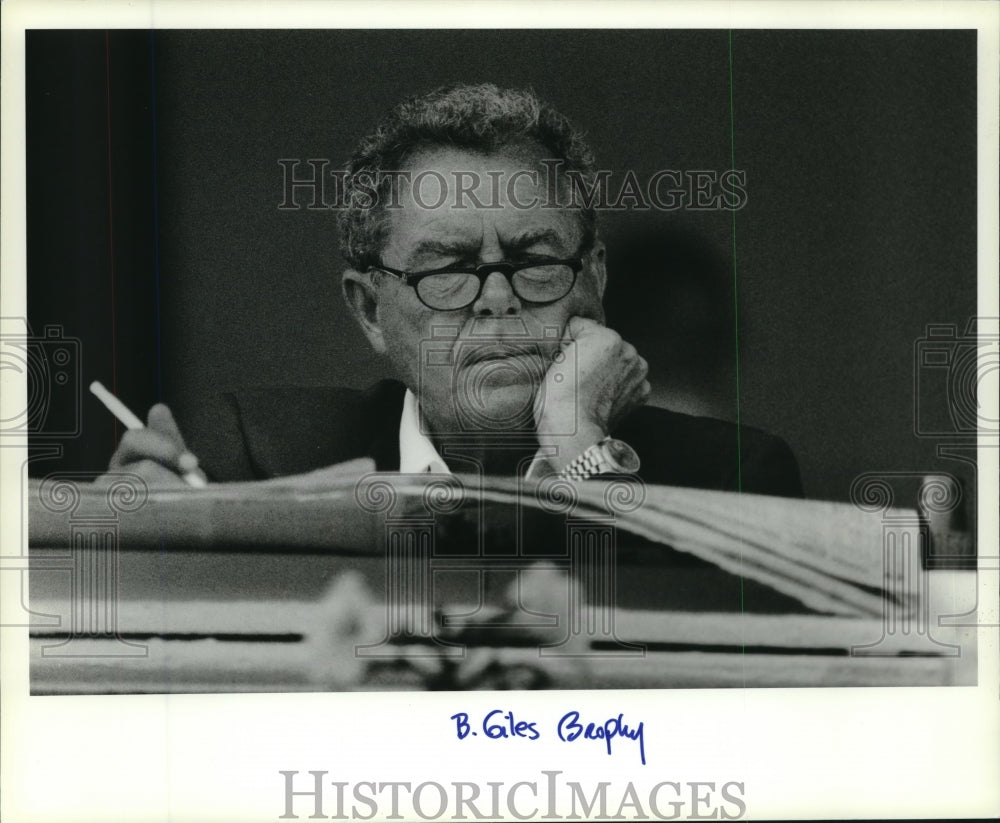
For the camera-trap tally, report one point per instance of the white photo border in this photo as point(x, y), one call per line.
point(800, 753)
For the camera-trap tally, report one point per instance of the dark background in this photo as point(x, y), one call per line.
point(155, 237)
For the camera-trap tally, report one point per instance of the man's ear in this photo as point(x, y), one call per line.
point(598, 255)
point(362, 299)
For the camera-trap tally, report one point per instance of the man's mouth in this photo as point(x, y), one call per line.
point(498, 351)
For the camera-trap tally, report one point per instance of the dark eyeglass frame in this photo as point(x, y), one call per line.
point(484, 270)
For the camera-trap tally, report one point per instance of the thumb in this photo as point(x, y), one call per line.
point(161, 419)
point(577, 326)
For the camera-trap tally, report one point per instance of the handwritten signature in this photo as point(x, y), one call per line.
point(570, 729)
point(501, 725)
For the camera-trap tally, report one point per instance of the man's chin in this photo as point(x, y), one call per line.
point(497, 395)
point(519, 370)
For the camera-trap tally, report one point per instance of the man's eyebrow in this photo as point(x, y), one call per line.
point(460, 246)
point(530, 237)
point(447, 247)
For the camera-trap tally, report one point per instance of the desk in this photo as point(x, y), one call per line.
point(398, 583)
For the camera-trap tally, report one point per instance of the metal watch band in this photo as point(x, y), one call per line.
point(584, 465)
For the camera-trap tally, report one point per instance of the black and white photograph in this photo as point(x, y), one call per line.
point(556, 378)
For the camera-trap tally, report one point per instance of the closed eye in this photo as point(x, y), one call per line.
point(432, 255)
point(444, 284)
point(536, 243)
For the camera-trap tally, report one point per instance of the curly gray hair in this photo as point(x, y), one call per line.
point(481, 118)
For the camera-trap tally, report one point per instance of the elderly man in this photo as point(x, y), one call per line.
point(478, 275)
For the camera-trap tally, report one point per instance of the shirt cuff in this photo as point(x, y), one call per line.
point(540, 466)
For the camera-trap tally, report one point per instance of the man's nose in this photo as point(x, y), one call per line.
point(497, 298)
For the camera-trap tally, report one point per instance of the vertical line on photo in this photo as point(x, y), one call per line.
point(164, 581)
point(736, 329)
point(736, 307)
point(111, 226)
point(156, 218)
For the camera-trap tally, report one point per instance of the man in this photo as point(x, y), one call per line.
point(479, 277)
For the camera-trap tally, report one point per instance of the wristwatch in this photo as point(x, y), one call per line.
point(610, 456)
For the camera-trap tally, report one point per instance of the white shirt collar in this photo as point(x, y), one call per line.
point(417, 454)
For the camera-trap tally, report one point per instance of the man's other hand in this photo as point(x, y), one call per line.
point(598, 381)
point(156, 453)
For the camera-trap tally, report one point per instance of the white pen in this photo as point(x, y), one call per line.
point(130, 421)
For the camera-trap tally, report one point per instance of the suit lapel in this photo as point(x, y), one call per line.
point(384, 405)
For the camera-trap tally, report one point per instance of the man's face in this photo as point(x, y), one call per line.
point(483, 362)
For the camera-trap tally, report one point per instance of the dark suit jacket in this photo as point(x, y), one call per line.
point(271, 432)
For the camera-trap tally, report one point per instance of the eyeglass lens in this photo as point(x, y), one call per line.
point(536, 284)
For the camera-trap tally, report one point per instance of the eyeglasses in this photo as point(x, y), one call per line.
point(539, 280)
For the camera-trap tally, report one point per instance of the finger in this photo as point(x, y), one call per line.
point(638, 386)
point(146, 444)
point(632, 372)
point(629, 352)
point(161, 419)
point(638, 396)
point(577, 326)
point(643, 389)
point(642, 367)
point(634, 396)
point(155, 474)
point(149, 470)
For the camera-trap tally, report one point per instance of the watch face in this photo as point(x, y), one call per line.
point(622, 455)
